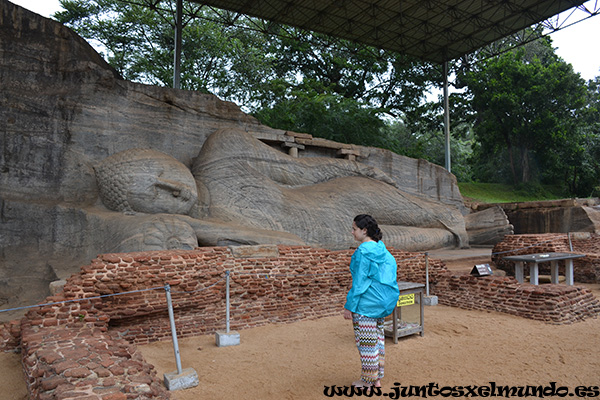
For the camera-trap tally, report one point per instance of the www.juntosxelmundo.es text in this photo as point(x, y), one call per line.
point(433, 390)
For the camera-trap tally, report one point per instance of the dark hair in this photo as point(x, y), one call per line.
point(366, 221)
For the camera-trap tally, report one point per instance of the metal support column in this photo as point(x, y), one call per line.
point(446, 116)
point(177, 57)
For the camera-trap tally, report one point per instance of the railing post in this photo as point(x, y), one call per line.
point(426, 274)
point(570, 243)
point(182, 379)
point(427, 299)
point(173, 331)
point(227, 338)
point(227, 301)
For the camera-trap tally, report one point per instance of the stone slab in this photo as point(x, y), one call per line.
point(187, 379)
point(255, 251)
point(57, 286)
point(430, 300)
point(224, 339)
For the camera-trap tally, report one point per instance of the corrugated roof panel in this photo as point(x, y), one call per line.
point(430, 30)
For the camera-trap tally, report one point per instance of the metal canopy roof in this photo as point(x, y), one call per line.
point(430, 30)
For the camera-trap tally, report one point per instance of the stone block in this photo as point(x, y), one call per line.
point(256, 251)
point(299, 135)
point(187, 379)
point(57, 286)
point(272, 136)
point(430, 300)
point(224, 339)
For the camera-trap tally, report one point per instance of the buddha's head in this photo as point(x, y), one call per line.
point(147, 181)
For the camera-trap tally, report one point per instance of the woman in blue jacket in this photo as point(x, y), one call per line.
point(373, 296)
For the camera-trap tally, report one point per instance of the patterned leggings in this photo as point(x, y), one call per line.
point(370, 340)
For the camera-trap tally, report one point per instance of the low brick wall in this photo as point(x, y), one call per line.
point(554, 304)
point(268, 284)
point(295, 283)
point(585, 269)
point(83, 362)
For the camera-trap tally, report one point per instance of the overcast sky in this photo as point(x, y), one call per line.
point(578, 44)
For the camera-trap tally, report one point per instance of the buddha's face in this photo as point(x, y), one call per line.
point(164, 186)
point(146, 181)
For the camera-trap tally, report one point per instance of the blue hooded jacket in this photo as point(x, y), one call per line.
point(374, 291)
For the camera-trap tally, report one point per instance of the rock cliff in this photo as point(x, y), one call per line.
point(64, 111)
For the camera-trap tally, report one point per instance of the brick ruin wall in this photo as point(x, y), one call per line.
point(585, 269)
point(553, 304)
point(297, 283)
point(86, 349)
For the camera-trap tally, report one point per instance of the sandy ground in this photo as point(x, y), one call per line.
point(299, 360)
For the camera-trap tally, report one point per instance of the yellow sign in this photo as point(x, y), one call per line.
point(406, 300)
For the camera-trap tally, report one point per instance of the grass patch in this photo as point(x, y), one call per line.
point(502, 193)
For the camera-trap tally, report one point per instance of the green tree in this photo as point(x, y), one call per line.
point(288, 78)
point(327, 116)
point(583, 171)
point(421, 135)
point(528, 106)
point(137, 39)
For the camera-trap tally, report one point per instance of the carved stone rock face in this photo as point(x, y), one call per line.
point(315, 198)
point(154, 232)
point(145, 180)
